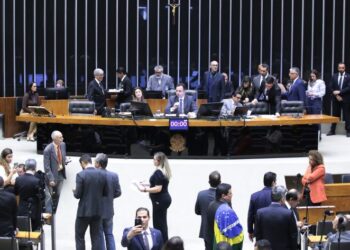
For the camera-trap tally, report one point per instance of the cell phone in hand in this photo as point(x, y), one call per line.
point(15, 165)
point(138, 222)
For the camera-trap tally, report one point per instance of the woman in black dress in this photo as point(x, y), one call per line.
point(159, 194)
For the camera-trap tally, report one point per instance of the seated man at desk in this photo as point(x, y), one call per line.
point(181, 103)
point(230, 104)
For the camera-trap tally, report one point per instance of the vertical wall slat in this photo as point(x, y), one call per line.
point(322, 45)
point(127, 38)
point(281, 52)
point(3, 49)
point(250, 35)
point(302, 39)
point(147, 49)
point(86, 45)
point(312, 33)
point(189, 44)
point(65, 43)
point(178, 42)
point(261, 29)
point(96, 35)
point(76, 48)
point(168, 40)
point(343, 37)
point(106, 49)
point(14, 46)
point(55, 40)
point(34, 40)
point(240, 41)
point(292, 35)
point(271, 36)
point(209, 34)
point(44, 24)
point(333, 35)
point(24, 48)
point(158, 28)
point(220, 34)
point(117, 38)
point(199, 40)
point(137, 41)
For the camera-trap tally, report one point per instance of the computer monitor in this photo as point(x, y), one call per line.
point(56, 93)
point(140, 109)
point(241, 111)
point(153, 94)
point(210, 110)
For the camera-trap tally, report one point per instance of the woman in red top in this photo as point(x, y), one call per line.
point(314, 178)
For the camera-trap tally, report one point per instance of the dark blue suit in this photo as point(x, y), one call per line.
point(276, 224)
point(189, 105)
point(137, 243)
point(214, 86)
point(297, 91)
point(114, 191)
point(202, 203)
point(343, 105)
point(91, 187)
point(258, 200)
point(8, 213)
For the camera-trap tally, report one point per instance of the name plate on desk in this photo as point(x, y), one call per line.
point(178, 124)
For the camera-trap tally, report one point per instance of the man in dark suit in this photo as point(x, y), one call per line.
point(124, 89)
point(91, 187)
point(96, 91)
point(141, 236)
point(263, 70)
point(340, 88)
point(259, 200)
point(276, 224)
point(270, 93)
point(114, 191)
point(55, 168)
point(181, 103)
point(8, 212)
point(204, 198)
point(297, 90)
point(213, 83)
point(27, 187)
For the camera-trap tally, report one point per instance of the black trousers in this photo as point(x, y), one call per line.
point(160, 207)
point(96, 233)
point(338, 108)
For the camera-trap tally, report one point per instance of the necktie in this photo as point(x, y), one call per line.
point(145, 240)
point(103, 92)
point(341, 81)
point(181, 111)
point(59, 155)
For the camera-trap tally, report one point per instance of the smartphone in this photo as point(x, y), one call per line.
point(15, 165)
point(138, 222)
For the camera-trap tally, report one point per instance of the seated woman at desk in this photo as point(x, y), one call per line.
point(31, 98)
point(246, 90)
point(137, 95)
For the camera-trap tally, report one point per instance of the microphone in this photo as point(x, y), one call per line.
point(329, 212)
point(298, 175)
point(340, 220)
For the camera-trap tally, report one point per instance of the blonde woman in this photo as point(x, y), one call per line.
point(158, 192)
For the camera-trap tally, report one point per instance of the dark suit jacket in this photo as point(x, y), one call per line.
point(137, 243)
point(114, 191)
point(96, 95)
point(272, 97)
point(91, 187)
point(213, 206)
point(8, 213)
point(51, 161)
point(276, 224)
point(258, 200)
point(202, 203)
point(126, 95)
point(27, 187)
point(297, 91)
point(189, 105)
point(216, 90)
point(345, 91)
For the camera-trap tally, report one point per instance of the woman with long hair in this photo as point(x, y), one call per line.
point(5, 170)
point(137, 95)
point(313, 179)
point(246, 90)
point(31, 98)
point(158, 192)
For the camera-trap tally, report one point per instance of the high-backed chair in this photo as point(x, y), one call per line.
point(124, 107)
point(81, 107)
point(171, 93)
point(345, 179)
point(328, 179)
point(292, 107)
point(343, 246)
point(24, 223)
point(8, 243)
point(191, 92)
point(258, 109)
point(325, 228)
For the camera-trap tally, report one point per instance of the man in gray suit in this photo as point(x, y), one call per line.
point(263, 70)
point(230, 104)
point(114, 191)
point(91, 187)
point(160, 81)
point(202, 203)
point(54, 165)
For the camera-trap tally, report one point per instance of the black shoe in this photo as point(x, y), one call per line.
point(347, 134)
point(330, 133)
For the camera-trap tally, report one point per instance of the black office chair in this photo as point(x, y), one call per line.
point(324, 229)
point(18, 108)
point(292, 108)
point(343, 246)
point(257, 109)
point(328, 179)
point(8, 243)
point(171, 93)
point(81, 107)
point(191, 92)
point(24, 223)
point(124, 107)
point(345, 178)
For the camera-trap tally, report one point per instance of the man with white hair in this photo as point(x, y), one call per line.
point(54, 165)
point(96, 91)
point(160, 81)
point(297, 90)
